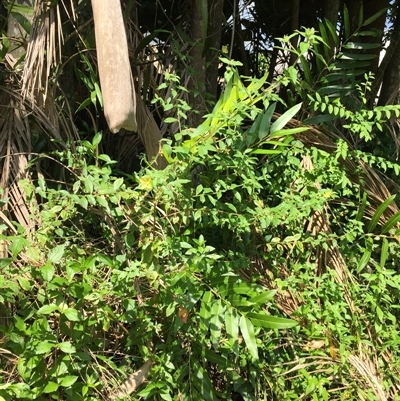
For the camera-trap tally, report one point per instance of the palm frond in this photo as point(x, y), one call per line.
point(43, 52)
point(15, 146)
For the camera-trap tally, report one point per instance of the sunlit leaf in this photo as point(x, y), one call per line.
point(285, 118)
point(47, 271)
point(384, 252)
point(205, 312)
point(68, 381)
point(366, 255)
point(67, 347)
point(263, 297)
point(56, 253)
point(51, 387)
point(270, 322)
point(247, 330)
point(391, 223)
point(379, 212)
point(216, 322)
point(232, 328)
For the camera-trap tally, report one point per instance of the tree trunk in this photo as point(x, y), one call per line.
point(14, 30)
point(214, 30)
point(391, 79)
point(331, 10)
point(198, 63)
point(114, 67)
point(239, 39)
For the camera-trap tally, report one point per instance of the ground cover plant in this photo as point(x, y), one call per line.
point(260, 264)
point(249, 268)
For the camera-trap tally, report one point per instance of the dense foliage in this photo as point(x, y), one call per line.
point(194, 267)
point(260, 264)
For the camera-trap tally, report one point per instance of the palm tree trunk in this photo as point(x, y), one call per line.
point(114, 67)
point(215, 8)
point(198, 64)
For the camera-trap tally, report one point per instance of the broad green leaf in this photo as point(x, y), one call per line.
point(24, 283)
point(238, 300)
point(256, 84)
point(323, 118)
point(47, 271)
point(56, 254)
point(22, 370)
point(306, 70)
point(333, 32)
point(233, 63)
point(247, 330)
point(232, 329)
point(264, 297)
point(374, 33)
point(201, 348)
point(99, 95)
point(71, 314)
point(392, 222)
point(84, 104)
point(379, 212)
point(22, 21)
point(360, 213)
point(44, 347)
point(117, 183)
point(68, 381)
point(17, 245)
point(51, 387)
point(356, 56)
point(287, 142)
point(351, 66)
point(361, 15)
point(325, 38)
point(366, 256)
point(265, 122)
point(205, 312)
point(4, 262)
point(203, 382)
point(285, 118)
point(287, 132)
point(47, 309)
point(216, 322)
point(67, 347)
point(270, 322)
point(341, 75)
point(384, 252)
point(225, 285)
point(370, 20)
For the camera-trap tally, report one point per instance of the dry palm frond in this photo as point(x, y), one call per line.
point(15, 145)
point(46, 37)
point(150, 135)
point(131, 384)
point(19, 118)
point(366, 374)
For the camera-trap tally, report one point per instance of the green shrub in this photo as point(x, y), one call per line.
point(197, 268)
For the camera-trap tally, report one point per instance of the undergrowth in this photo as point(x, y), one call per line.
point(253, 267)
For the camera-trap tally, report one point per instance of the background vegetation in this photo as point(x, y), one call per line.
point(242, 244)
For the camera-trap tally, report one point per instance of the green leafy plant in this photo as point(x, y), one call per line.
point(254, 265)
